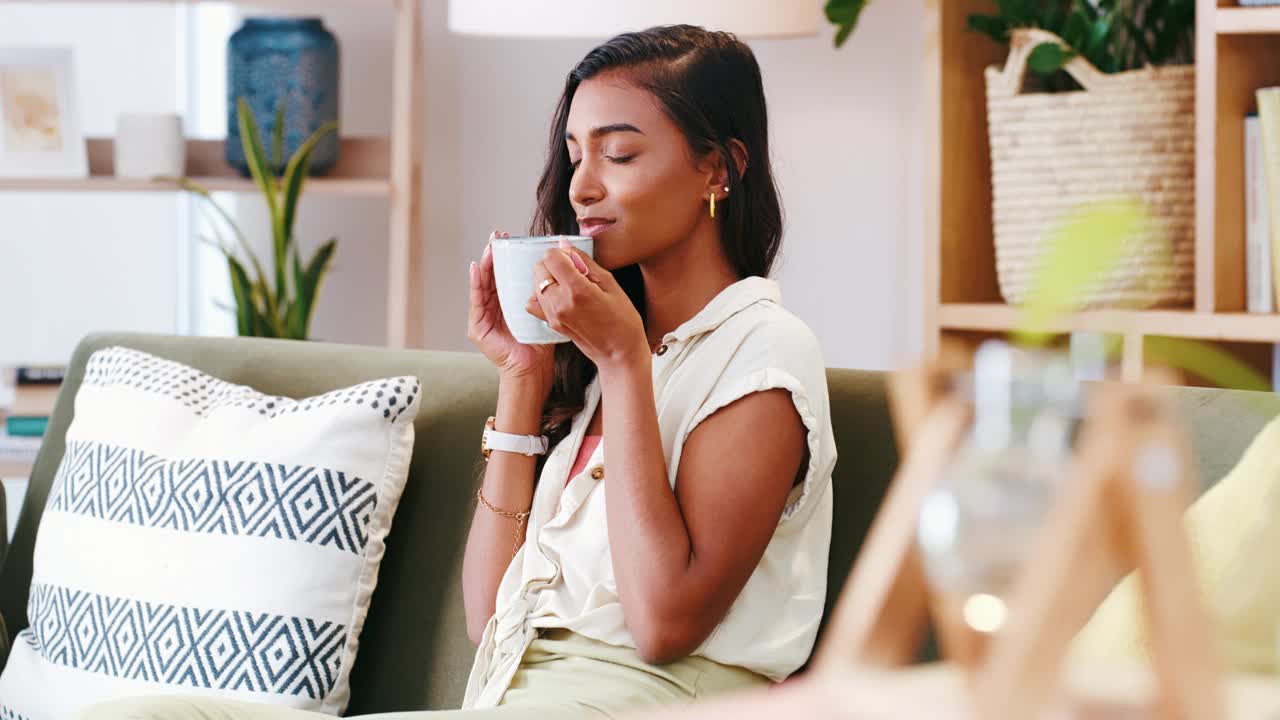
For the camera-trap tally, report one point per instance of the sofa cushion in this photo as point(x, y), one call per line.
point(203, 537)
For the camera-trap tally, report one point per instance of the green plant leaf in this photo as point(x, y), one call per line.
point(309, 282)
point(1099, 35)
point(294, 315)
point(844, 15)
point(1077, 25)
point(268, 324)
point(242, 291)
point(992, 26)
point(1139, 39)
point(295, 176)
point(1048, 58)
point(266, 182)
point(1052, 15)
point(1079, 252)
point(1019, 13)
point(1209, 362)
point(254, 156)
point(277, 140)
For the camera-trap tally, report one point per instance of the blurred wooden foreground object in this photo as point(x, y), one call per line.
point(1121, 508)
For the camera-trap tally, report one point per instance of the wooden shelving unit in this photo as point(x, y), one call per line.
point(1237, 51)
point(385, 167)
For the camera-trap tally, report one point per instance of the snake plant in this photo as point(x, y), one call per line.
point(279, 305)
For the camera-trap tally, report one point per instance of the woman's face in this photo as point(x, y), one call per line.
point(636, 187)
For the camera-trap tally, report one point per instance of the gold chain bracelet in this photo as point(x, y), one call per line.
point(518, 517)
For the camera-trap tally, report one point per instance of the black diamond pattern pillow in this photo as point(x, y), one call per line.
point(203, 538)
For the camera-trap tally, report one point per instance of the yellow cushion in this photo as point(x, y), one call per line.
point(1234, 535)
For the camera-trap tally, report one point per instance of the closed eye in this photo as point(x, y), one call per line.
point(617, 160)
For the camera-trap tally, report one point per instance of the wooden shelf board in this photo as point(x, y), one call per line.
point(315, 186)
point(14, 470)
point(1240, 327)
point(1247, 20)
point(363, 170)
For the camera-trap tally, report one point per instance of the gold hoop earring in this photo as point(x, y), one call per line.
point(713, 205)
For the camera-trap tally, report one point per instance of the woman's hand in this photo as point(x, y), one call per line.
point(487, 329)
point(586, 304)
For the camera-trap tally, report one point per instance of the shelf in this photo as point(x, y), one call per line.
point(362, 170)
point(1240, 327)
point(14, 470)
point(1247, 20)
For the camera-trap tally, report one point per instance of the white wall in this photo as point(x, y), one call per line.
point(844, 133)
point(74, 263)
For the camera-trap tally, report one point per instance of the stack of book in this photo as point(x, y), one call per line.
point(32, 391)
point(17, 455)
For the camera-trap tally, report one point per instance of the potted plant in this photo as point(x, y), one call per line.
point(1113, 124)
point(279, 304)
point(1112, 35)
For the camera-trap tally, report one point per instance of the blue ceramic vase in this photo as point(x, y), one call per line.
point(289, 61)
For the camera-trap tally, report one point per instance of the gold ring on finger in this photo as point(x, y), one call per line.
point(546, 284)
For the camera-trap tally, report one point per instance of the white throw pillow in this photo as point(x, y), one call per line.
point(202, 538)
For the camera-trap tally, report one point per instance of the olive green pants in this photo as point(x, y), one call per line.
point(562, 675)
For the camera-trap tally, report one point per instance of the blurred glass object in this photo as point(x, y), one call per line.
point(976, 526)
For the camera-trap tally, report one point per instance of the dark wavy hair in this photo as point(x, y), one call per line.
point(709, 84)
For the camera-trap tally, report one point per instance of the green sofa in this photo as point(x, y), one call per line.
point(414, 652)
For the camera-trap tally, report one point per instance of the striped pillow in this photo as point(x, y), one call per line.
point(202, 538)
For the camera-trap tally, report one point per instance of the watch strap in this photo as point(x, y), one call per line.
point(529, 445)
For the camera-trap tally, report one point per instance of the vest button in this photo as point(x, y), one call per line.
point(597, 473)
point(662, 351)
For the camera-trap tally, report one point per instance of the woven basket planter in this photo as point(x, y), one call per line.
point(1126, 136)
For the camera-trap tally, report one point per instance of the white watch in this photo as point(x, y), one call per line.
point(523, 444)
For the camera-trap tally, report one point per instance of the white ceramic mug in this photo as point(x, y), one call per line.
point(513, 261)
point(148, 145)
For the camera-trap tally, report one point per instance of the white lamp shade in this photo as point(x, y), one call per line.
point(605, 18)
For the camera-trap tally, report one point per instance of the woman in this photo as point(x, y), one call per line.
point(693, 559)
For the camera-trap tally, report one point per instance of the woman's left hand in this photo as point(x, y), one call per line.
point(586, 304)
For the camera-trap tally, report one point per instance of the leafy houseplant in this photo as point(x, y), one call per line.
point(263, 308)
point(1113, 35)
